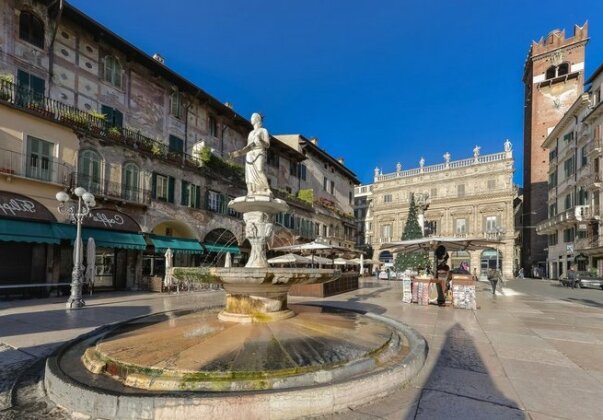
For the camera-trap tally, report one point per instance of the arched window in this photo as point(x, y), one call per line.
point(31, 29)
point(112, 70)
point(130, 180)
point(176, 104)
point(563, 69)
point(89, 170)
point(551, 72)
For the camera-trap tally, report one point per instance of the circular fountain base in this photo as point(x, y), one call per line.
point(193, 364)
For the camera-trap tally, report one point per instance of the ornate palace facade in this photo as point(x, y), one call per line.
point(471, 198)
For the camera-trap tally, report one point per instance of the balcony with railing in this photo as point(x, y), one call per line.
point(96, 126)
point(34, 166)
point(565, 219)
point(363, 190)
point(456, 164)
point(588, 243)
point(111, 190)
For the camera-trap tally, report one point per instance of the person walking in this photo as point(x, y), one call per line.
point(521, 275)
point(571, 277)
point(493, 277)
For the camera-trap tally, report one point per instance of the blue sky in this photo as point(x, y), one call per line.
point(376, 81)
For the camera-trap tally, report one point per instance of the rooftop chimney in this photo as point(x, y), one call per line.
point(159, 58)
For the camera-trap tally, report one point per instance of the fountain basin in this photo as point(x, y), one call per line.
point(173, 365)
point(256, 294)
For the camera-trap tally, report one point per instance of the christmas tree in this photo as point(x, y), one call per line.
point(412, 230)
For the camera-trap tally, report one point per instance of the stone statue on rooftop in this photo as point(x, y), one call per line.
point(422, 162)
point(447, 157)
point(258, 143)
point(508, 145)
point(398, 167)
point(476, 150)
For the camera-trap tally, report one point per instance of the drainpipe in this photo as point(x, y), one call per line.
point(51, 45)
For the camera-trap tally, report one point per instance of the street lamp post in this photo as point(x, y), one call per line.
point(76, 213)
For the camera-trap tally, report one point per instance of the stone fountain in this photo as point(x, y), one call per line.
point(256, 357)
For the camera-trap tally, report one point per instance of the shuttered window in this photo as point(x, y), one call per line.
point(113, 117)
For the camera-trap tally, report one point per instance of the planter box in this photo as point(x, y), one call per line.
point(347, 282)
point(156, 284)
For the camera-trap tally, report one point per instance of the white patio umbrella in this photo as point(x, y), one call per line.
point(313, 247)
point(169, 255)
point(322, 260)
point(341, 261)
point(364, 261)
point(290, 259)
point(432, 243)
point(228, 260)
point(91, 260)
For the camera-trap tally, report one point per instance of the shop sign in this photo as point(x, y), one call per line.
point(111, 219)
point(22, 207)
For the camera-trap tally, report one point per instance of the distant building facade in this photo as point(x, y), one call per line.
point(553, 78)
point(573, 226)
point(466, 198)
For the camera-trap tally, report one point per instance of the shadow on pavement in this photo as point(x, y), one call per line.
point(50, 322)
point(587, 302)
point(350, 305)
point(461, 386)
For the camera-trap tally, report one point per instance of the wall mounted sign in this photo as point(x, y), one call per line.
point(111, 219)
point(22, 207)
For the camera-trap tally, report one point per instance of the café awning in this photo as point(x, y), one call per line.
point(222, 248)
point(28, 231)
point(182, 245)
point(103, 238)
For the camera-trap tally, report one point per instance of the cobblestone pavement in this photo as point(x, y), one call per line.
point(535, 352)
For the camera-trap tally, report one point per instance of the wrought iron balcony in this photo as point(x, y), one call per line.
point(111, 190)
point(96, 126)
point(564, 219)
point(34, 166)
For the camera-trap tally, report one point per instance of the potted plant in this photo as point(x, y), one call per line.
point(74, 119)
point(6, 86)
point(114, 133)
point(156, 150)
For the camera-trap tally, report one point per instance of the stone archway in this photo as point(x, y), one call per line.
point(175, 228)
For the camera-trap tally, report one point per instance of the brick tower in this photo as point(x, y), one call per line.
point(553, 78)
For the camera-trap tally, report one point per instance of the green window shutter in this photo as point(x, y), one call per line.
point(108, 111)
point(171, 185)
point(184, 193)
point(118, 118)
point(38, 86)
point(197, 197)
point(22, 78)
point(154, 186)
point(176, 144)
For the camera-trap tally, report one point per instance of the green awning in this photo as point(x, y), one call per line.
point(104, 238)
point(182, 245)
point(222, 248)
point(28, 231)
